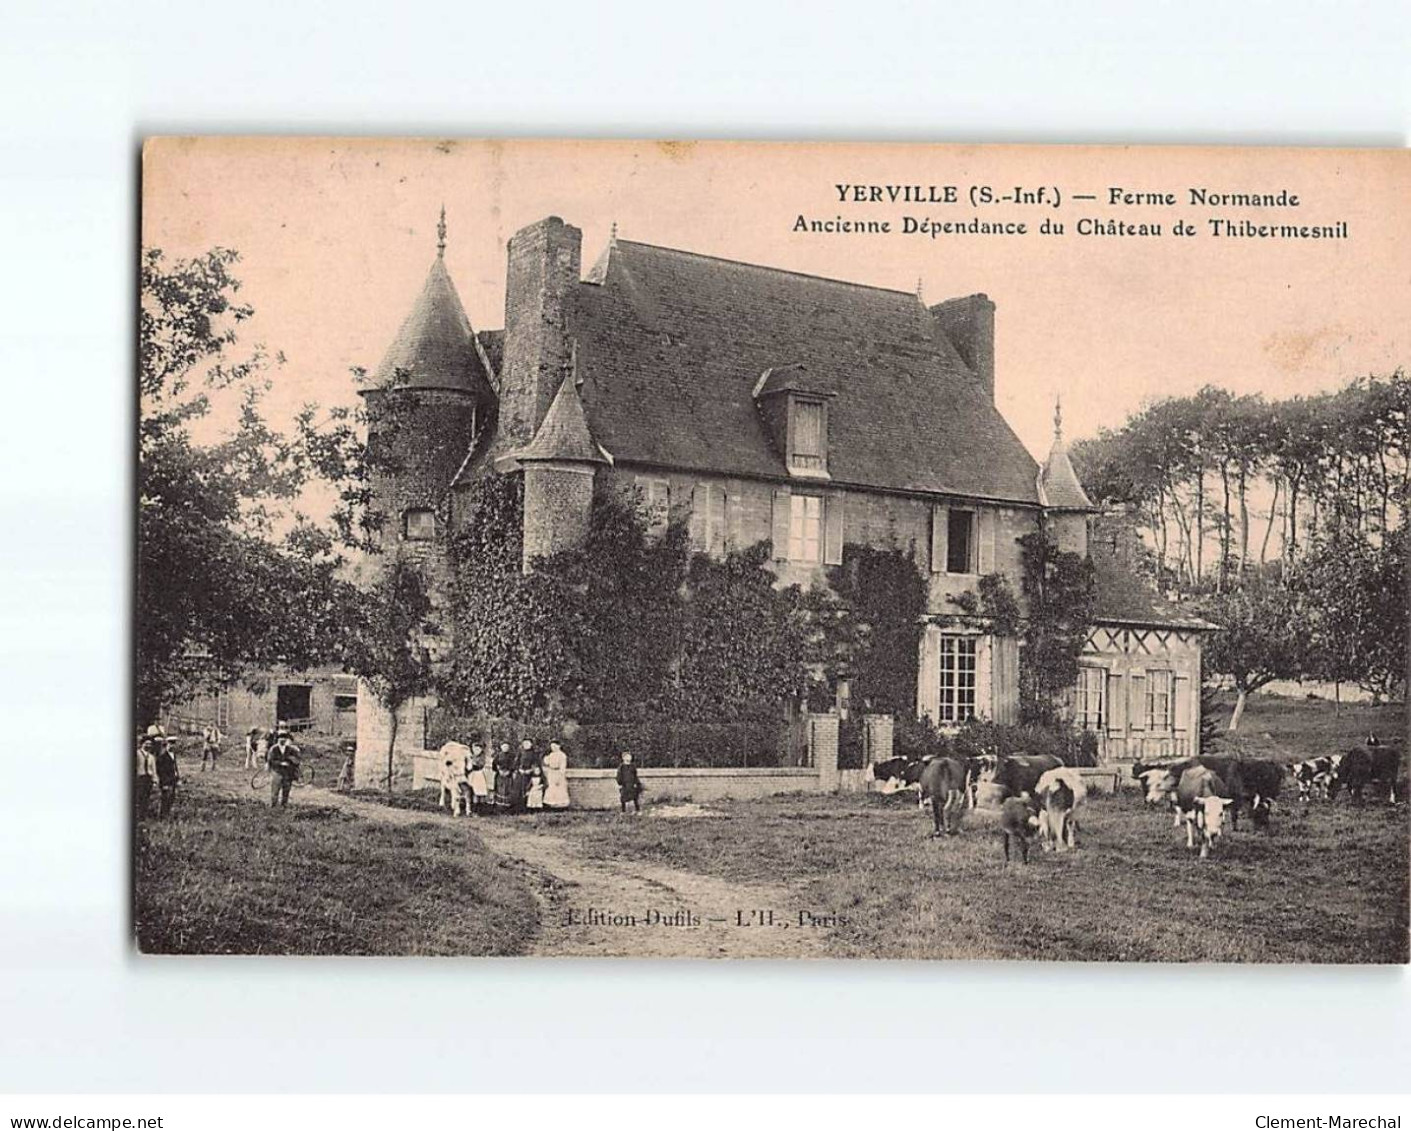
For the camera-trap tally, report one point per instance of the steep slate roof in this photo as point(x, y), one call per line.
point(435, 348)
point(671, 345)
point(1123, 597)
point(564, 433)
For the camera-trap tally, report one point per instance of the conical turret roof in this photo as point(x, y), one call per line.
point(1059, 487)
point(564, 435)
point(436, 346)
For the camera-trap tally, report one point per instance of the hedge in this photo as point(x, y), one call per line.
point(755, 740)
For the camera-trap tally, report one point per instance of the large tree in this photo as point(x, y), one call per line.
point(1263, 635)
point(227, 580)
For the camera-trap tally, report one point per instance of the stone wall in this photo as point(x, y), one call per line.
point(558, 506)
point(374, 730)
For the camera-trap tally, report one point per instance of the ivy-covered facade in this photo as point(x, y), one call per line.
point(805, 420)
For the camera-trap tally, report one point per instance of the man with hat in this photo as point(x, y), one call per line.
point(146, 768)
point(283, 761)
point(167, 775)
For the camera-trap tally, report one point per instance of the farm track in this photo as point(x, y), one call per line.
point(570, 888)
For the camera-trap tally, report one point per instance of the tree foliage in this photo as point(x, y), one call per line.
point(218, 591)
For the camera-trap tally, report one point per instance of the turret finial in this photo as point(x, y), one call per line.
point(920, 291)
point(612, 236)
point(441, 235)
point(1058, 418)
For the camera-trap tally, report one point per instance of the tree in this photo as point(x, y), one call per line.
point(390, 652)
point(1262, 636)
point(218, 591)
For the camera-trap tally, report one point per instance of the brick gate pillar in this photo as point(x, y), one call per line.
point(823, 750)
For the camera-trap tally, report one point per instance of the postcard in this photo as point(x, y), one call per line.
point(676, 549)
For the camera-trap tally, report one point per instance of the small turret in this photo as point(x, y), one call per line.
point(1064, 501)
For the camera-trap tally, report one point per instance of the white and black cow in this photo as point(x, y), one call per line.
point(1060, 793)
point(1313, 775)
point(896, 774)
point(1200, 794)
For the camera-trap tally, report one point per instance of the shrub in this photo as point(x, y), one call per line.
point(918, 738)
point(1069, 746)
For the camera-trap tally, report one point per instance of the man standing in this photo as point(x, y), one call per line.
point(210, 745)
point(167, 775)
point(283, 768)
point(146, 766)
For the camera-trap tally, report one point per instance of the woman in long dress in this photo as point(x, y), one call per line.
point(556, 778)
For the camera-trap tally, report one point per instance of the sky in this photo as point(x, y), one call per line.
point(336, 236)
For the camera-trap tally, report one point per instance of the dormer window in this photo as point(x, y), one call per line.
point(808, 436)
point(418, 525)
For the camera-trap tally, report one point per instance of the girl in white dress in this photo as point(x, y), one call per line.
point(556, 778)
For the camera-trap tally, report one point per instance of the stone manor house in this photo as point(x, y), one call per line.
point(763, 405)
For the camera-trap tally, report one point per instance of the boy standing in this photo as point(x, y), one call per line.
point(629, 785)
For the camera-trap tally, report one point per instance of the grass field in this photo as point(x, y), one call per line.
point(1325, 884)
point(230, 876)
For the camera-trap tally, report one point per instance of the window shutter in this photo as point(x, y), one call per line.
point(940, 519)
point(1116, 704)
point(985, 556)
point(928, 692)
point(1181, 708)
point(734, 511)
point(781, 525)
point(700, 503)
point(833, 530)
point(1136, 701)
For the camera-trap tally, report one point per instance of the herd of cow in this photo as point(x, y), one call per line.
point(1038, 796)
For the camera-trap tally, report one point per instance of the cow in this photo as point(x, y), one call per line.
point(1201, 797)
point(1159, 784)
point(981, 768)
point(1060, 794)
point(1018, 821)
point(1020, 773)
point(943, 784)
point(895, 774)
point(1377, 766)
point(1313, 775)
point(1259, 781)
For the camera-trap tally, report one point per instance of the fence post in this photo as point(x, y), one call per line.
point(823, 750)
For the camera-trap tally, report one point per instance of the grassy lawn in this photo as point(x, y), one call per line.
point(230, 876)
point(1326, 884)
point(1292, 729)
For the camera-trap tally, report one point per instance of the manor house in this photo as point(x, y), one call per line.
point(764, 405)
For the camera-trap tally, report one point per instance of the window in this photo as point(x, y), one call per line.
point(809, 434)
point(957, 678)
point(345, 702)
point(656, 496)
point(960, 541)
point(1158, 700)
point(806, 528)
point(419, 525)
point(1089, 699)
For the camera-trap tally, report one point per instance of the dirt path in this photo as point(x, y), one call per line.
point(616, 908)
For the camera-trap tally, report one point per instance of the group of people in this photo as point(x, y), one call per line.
point(156, 762)
point(472, 782)
point(515, 782)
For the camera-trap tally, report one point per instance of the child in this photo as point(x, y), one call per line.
point(480, 786)
point(629, 785)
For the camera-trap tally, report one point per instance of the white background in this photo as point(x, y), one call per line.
point(81, 83)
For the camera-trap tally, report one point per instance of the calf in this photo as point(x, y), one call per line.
point(1018, 822)
point(943, 784)
point(1060, 793)
point(1200, 795)
point(981, 768)
point(1312, 776)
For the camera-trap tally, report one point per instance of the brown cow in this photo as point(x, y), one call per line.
point(943, 784)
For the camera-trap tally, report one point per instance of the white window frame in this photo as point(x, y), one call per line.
point(806, 528)
point(813, 462)
point(1090, 698)
point(1160, 690)
point(958, 666)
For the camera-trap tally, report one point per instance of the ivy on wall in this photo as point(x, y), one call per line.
point(628, 626)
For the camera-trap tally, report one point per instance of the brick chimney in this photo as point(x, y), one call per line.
point(969, 323)
point(544, 263)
